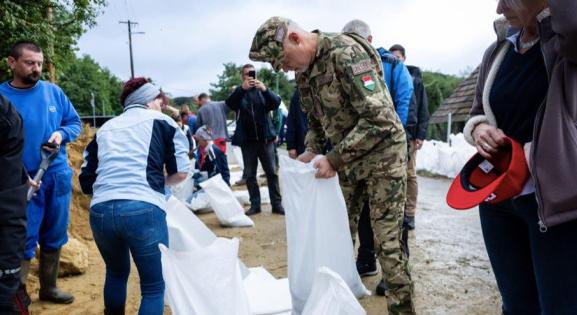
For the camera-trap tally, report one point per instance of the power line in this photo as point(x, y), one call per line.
point(130, 32)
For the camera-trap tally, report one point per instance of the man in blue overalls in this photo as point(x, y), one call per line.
point(48, 116)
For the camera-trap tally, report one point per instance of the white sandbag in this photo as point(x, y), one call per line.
point(186, 232)
point(183, 190)
point(237, 154)
point(440, 158)
point(330, 295)
point(317, 228)
point(267, 295)
point(204, 281)
point(227, 209)
point(198, 201)
point(243, 196)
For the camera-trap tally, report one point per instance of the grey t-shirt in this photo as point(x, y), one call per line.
point(213, 115)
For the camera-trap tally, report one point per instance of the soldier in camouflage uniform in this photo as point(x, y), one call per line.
point(340, 79)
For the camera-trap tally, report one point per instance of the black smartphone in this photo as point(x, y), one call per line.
point(252, 74)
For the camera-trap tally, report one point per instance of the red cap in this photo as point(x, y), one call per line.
point(490, 180)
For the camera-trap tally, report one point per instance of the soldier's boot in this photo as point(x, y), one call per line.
point(48, 273)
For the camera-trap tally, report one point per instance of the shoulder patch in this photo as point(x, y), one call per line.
point(362, 67)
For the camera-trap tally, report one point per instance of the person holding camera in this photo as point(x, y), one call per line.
point(255, 134)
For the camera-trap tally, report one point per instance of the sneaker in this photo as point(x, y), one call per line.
point(381, 288)
point(409, 223)
point(240, 182)
point(366, 269)
point(253, 210)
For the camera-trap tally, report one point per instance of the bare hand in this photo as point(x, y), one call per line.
point(324, 168)
point(56, 137)
point(488, 139)
point(259, 85)
point(292, 153)
point(418, 144)
point(306, 157)
point(34, 184)
point(248, 84)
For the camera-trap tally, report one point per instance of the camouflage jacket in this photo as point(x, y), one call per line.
point(346, 100)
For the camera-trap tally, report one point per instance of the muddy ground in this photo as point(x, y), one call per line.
point(449, 265)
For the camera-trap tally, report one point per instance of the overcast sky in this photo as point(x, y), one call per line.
point(186, 42)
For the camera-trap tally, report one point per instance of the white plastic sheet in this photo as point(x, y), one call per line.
point(267, 295)
point(224, 203)
point(330, 295)
point(317, 230)
point(205, 281)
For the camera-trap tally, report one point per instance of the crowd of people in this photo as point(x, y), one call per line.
point(358, 111)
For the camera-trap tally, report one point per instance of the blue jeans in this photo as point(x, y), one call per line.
point(536, 272)
point(121, 227)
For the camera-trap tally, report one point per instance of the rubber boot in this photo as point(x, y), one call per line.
point(48, 273)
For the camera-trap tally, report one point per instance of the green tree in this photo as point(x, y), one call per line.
point(439, 86)
point(231, 77)
point(55, 25)
point(286, 88)
point(83, 77)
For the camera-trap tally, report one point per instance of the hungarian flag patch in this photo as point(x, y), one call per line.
point(368, 82)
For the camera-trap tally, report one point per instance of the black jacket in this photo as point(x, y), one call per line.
point(253, 121)
point(296, 125)
point(419, 108)
point(13, 189)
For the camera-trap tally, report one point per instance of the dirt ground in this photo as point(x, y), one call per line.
point(450, 267)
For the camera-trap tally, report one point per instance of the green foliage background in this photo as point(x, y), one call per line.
point(230, 77)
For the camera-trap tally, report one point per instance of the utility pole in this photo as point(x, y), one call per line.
point(93, 104)
point(50, 48)
point(129, 23)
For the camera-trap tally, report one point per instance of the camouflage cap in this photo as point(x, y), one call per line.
point(267, 44)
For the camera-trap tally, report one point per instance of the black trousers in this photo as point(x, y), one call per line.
point(12, 241)
point(252, 152)
point(366, 238)
point(535, 271)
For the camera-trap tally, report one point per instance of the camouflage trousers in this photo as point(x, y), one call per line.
point(385, 192)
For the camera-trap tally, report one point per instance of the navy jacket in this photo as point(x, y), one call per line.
point(420, 106)
point(296, 125)
point(253, 119)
